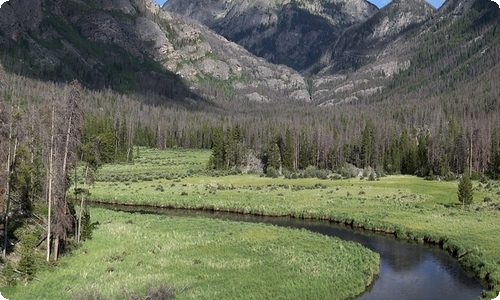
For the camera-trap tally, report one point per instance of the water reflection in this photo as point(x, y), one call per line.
point(407, 271)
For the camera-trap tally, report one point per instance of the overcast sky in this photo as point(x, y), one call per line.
point(379, 3)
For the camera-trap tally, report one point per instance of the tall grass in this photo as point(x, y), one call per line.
point(204, 259)
point(410, 207)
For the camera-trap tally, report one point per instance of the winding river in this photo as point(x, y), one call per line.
point(407, 271)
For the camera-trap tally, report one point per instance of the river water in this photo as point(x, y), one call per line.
point(407, 271)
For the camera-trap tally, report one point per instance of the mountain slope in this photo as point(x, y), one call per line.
point(134, 46)
point(455, 45)
point(294, 33)
point(359, 43)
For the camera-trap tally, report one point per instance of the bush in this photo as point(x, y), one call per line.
point(272, 172)
point(348, 171)
point(371, 177)
point(335, 176)
point(450, 176)
point(8, 275)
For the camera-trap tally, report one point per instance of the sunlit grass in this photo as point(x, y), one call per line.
point(412, 207)
point(205, 259)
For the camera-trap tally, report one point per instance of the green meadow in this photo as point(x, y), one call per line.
point(214, 259)
point(200, 258)
point(410, 207)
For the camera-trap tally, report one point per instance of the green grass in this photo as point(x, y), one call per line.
point(204, 259)
point(411, 207)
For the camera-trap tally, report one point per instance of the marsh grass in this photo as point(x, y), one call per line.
point(410, 207)
point(204, 259)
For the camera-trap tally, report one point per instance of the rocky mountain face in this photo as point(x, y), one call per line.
point(133, 45)
point(295, 33)
point(348, 51)
point(440, 52)
point(362, 42)
point(367, 55)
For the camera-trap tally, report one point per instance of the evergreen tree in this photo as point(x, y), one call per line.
point(465, 193)
point(367, 146)
point(274, 157)
point(423, 156)
point(218, 156)
point(288, 157)
point(494, 165)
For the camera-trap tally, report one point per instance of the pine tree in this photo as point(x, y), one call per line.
point(367, 146)
point(217, 158)
point(494, 164)
point(465, 193)
point(288, 157)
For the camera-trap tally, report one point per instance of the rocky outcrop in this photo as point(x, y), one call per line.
point(294, 33)
point(135, 45)
point(366, 41)
point(19, 16)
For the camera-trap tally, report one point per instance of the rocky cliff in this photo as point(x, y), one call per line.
point(294, 33)
point(133, 45)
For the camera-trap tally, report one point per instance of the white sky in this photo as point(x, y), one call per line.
point(379, 3)
point(2, 2)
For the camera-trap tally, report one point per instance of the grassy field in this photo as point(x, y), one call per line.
point(411, 207)
point(203, 259)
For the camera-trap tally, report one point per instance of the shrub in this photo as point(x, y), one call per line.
point(8, 275)
point(272, 172)
point(348, 171)
point(371, 177)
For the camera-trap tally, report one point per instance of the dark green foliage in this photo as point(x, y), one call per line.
point(465, 192)
point(272, 159)
point(87, 226)
point(367, 146)
point(98, 142)
point(494, 165)
point(26, 182)
point(228, 150)
point(28, 263)
point(272, 172)
point(218, 152)
point(9, 278)
point(287, 153)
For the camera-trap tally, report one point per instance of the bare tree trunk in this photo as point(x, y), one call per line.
point(81, 207)
point(51, 162)
point(63, 174)
point(7, 188)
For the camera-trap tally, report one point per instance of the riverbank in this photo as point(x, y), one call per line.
point(411, 208)
point(202, 258)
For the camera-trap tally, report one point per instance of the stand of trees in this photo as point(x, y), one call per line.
point(39, 146)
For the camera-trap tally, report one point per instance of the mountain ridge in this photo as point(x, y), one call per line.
point(133, 45)
point(294, 33)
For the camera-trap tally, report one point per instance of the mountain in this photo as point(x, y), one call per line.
point(134, 46)
point(442, 52)
point(362, 42)
point(295, 33)
point(348, 52)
